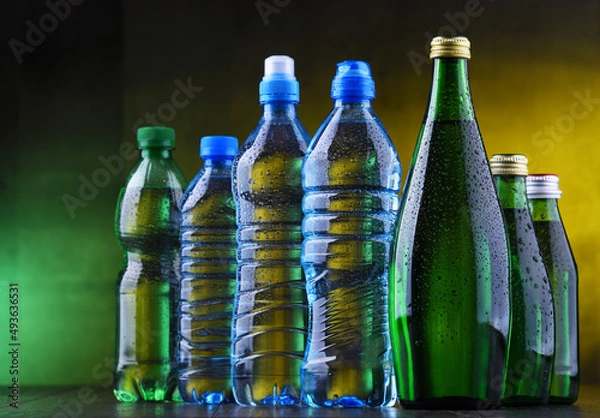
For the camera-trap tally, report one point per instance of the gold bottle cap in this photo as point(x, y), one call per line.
point(457, 47)
point(508, 165)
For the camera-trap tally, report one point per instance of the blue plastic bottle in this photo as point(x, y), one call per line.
point(208, 265)
point(269, 323)
point(351, 178)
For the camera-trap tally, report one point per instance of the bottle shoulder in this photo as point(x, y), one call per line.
point(286, 135)
point(208, 191)
point(156, 173)
point(525, 250)
point(352, 152)
point(271, 159)
point(352, 127)
point(450, 161)
point(147, 211)
point(555, 246)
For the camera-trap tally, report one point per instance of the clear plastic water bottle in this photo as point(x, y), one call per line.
point(208, 264)
point(147, 227)
point(351, 178)
point(270, 322)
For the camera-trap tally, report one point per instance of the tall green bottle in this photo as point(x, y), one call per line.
point(531, 342)
point(543, 194)
point(147, 227)
point(449, 301)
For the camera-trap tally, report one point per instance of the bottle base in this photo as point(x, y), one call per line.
point(204, 390)
point(246, 396)
point(523, 401)
point(206, 398)
point(558, 400)
point(451, 402)
point(344, 402)
point(347, 388)
point(132, 386)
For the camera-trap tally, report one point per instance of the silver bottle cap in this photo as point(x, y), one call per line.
point(543, 186)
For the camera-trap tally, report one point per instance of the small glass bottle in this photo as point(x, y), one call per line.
point(531, 342)
point(543, 194)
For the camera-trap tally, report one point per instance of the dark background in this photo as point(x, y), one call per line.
point(72, 100)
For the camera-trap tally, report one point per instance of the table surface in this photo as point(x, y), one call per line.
point(88, 401)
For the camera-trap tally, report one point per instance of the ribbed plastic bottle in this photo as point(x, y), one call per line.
point(531, 342)
point(449, 302)
point(270, 314)
point(208, 266)
point(543, 194)
point(351, 178)
point(147, 227)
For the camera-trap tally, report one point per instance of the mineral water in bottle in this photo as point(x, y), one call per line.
point(531, 342)
point(147, 227)
point(269, 322)
point(351, 178)
point(450, 303)
point(208, 264)
point(543, 194)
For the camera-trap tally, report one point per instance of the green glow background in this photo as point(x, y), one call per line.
point(81, 92)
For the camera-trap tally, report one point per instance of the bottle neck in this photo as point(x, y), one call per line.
point(279, 109)
point(218, 165)
point(511, 191)
point(450, 96)
point(544, 209)
point(163, 153)
point(352, 103)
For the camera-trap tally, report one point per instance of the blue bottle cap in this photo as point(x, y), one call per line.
point(353, 81)
point(218, 147)
point(279, 82)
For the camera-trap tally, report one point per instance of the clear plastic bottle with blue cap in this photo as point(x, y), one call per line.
point(147, 227)
point(208, 266)
point(270, 312)
point(351, 178)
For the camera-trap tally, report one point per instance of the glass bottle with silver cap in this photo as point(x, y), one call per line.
point(543, 194)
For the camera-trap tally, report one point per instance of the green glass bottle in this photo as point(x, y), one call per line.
point(531, 342)
point(147, 227)
point(449, 291)
point(543, 194)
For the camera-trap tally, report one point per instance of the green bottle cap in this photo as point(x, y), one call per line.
point(156, 137)
point(508, 165)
